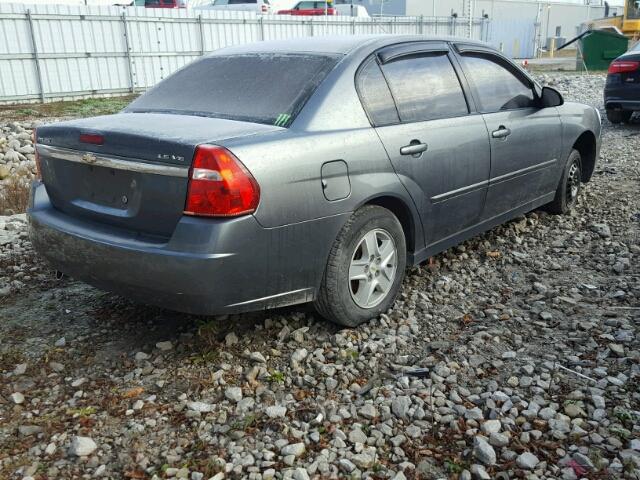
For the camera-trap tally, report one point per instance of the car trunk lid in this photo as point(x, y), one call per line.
point(135, 173)
point(630, 71)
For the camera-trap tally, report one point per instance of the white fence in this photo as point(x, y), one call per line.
point(54, 52)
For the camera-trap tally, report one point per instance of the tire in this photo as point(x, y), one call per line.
point(347, 302)
point(618, 116)
point(569, 186)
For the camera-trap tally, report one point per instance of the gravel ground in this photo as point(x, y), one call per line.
point(515, 354)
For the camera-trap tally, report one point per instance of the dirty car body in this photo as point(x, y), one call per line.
point(112, 208)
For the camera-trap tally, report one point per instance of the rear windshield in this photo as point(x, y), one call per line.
point(260, 88)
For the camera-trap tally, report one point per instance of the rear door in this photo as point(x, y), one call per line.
point(525, 139)
point(439, 150)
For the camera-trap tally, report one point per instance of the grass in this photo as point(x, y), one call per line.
point(277, 377)
point(244, 423)
point(82, 412)
point(14, 196)
point(77, 108)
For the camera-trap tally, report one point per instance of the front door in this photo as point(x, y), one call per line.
point(439, 151)
point(525, 139)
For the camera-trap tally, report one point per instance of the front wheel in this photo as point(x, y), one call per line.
point(365, 268)
point(569, 186)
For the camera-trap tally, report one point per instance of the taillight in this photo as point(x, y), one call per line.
point(36, 154)
point(220, 185)
point(623, 66)
point(92, 138)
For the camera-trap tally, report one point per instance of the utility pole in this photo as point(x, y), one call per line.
point(548, 21)
point(326, 17)
point(468, 12)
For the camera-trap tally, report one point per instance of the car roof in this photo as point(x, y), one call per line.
point(338, 45)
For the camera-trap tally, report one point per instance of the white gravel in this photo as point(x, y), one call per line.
point(515, 354)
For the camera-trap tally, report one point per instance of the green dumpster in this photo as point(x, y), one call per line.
point(599, 48)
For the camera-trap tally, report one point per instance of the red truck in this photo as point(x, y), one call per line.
point(165, 3)
point(319, 7)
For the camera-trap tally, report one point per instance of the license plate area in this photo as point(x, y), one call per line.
point(108, 187)
point(141, 201)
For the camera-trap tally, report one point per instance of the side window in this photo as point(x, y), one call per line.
point(375, 95)
point(425, 87)
point(495, 87)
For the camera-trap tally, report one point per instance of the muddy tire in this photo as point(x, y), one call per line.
point(365, 269)
point(569, 186)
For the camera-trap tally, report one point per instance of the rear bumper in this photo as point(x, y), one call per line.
point(622, 97)
point(619, 104)
point(208, 266)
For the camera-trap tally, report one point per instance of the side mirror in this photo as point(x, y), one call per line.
point(551, 98)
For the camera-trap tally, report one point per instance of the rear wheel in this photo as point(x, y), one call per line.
point(365, 268)
point(618, 116)
point(569, 186)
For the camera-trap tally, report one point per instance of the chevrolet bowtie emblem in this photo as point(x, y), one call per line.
point(89, 158)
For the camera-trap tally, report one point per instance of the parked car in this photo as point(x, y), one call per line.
point(165, 3)
point(311, 8)
point(259, 6)
point(351, 10)
point(622, 90)
point(313, 169)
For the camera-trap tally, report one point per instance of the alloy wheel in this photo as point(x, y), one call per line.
point(573, 183)
point(373, 268)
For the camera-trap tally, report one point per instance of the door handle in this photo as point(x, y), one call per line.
point(502, 132)
point(415, 148)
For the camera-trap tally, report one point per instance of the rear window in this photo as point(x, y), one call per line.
point(260, 88)
point(425, 87)
point(375, 95)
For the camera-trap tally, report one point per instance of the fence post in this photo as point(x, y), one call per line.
point(421, 24)
point(261, 25)
point(35, 55)
point(201, 34)
point(353, 26)
point(311, 27)
point(123, 17)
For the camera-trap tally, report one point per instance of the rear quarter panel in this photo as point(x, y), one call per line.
point(288, 170)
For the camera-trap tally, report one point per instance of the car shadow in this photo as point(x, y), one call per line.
point(137, 327)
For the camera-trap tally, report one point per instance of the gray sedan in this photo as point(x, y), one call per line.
point(311, 170)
